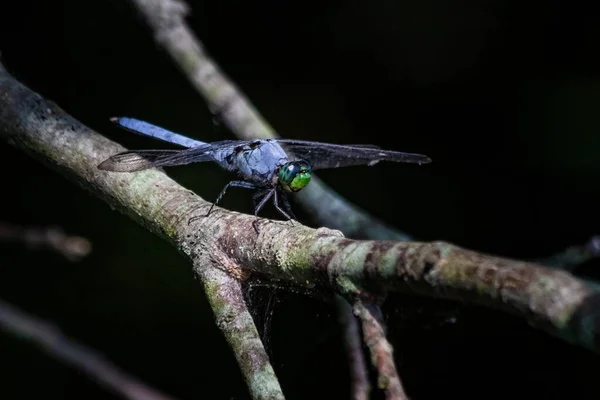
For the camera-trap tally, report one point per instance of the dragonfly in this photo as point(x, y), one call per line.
point(273, 168)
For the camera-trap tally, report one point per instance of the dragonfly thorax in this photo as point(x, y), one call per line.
point(293, 176)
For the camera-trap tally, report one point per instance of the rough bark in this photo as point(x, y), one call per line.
point(550, 299)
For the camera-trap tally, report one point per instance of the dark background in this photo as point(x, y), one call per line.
point(502, 96)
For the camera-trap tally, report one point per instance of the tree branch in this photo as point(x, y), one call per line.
point(235, 321)
point(360, 386)
point(166, 18)
point(73, 248)
point(381, 350)
point(94, 365)
point(550, 299)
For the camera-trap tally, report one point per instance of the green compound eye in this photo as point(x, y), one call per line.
point(294, 175)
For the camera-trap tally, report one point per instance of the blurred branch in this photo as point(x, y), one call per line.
point(549, 299)
point(50, 339)
point(359, 377)
point(574, 256)
point(167, 20)
point(381, 350)
point(74, 248)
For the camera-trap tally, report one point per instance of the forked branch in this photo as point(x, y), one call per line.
point(166, 18)
point(550, 299)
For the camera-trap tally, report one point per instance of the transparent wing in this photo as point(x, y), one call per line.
point(327, 155)
point(137, 160)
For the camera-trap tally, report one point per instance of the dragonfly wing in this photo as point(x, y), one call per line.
point(326, 155)
point(137, 160)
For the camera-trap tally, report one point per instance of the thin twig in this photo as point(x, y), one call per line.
point(51, 340)
point(381, 350)
point(359, 377)
point(73, 248)
point(574, 256)
point(167, 20)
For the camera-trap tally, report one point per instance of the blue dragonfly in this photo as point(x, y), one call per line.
point(271, 167)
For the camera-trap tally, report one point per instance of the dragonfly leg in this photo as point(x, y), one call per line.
point(286, 205)
point(258, 195)
point(260, 206)
point(241, 184)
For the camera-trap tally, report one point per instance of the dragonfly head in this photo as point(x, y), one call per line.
point(294, 175)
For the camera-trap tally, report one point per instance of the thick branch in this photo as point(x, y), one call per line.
point(84, 359)
point(166, 18)
point(551, 299)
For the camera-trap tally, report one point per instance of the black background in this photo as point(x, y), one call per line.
point(502, 96)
